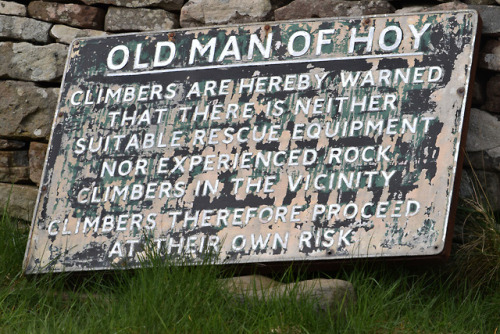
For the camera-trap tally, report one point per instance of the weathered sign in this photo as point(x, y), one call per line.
point(295, 141)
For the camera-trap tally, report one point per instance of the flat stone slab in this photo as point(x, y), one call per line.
point(483, 131)
point(139, 19)
point(28, 62)
point(65, 34)
point(302, 9)
point(13, 159)
point(67, 13)
point(12, 8)
point(482, 188)
point(492, 103)
point(488, 160)
point(8, 144)
point(196, 13)
point(24, 28)
point(490, 16)
point(14, 174)
point(489, 57)
point(26, 110)
point(14, 166)
point(164, 4)
point(326, 294)
point(19, 200)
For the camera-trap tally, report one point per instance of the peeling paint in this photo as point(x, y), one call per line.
point(260, 152)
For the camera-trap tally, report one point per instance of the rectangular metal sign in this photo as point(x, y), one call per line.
point(295, 141)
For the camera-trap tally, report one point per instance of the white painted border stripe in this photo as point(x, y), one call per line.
point(263, 63)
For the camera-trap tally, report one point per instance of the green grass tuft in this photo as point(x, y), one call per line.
point(184, 299)
point(478, 254)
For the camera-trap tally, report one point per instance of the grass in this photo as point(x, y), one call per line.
point(479, 251)
point(162, 299)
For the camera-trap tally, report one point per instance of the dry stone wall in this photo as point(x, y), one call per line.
point(34, 39)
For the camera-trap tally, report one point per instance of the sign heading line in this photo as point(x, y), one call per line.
point(262, 63)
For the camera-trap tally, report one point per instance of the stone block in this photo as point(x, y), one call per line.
point(164, 4)
point(481, 187)
point(492, 103)
point(483, 131)
point(14, 174)
point(489, 57)
point(480, 2)
point(18, 200)
point(13, 158)
point(14, 166)
point(9, 144)
point(490, 15)
point(25, 61)
point(488, 160)
point(452, 5)
point(302, 9)
point(411, 9)
point(64, 34)
point(140, 19)
point(80, 16)
point(247, 284)
point(26, 110)
point(197, 13)
point(327, 294)
point(478, 93)
point(36, 161)
point(12, 8)
point(24, 28)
